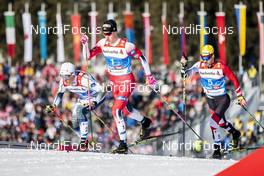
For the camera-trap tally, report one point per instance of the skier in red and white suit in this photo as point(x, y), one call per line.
point(118, 53)
point(213, 80)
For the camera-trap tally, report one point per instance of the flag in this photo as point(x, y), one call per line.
point(26, 19)
point(183, 36)
point(129, 25)
point(10, 33)
point(220, 20)
point(111, 14)
point(60, 42)
point(261, 36)
point(93, 24)
point(240, 11)
point(203, 24)
point(43, 35)
point(165, 41)
point(147, 33)
point(76, 24)
point(93, 16)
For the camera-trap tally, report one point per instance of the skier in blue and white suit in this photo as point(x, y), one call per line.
point(90, 97)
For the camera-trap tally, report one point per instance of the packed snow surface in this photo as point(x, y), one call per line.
point(48, 163)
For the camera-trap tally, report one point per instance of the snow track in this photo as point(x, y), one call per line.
point(41, 162)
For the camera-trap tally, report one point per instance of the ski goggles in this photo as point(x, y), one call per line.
point(65, 77)
point(108, 29)
point(206, 57)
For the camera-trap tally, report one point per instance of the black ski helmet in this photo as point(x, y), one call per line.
point(109, 26)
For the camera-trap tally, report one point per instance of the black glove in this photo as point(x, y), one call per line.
point(92, 105)
point(50, 109)
point(184, 65)
point(183, 72)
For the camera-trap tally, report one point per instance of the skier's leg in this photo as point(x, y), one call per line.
point(119, 104)
point(223, 105)
point(80, 118)
point(215, 129)
point(132, 113)
point(216, 137)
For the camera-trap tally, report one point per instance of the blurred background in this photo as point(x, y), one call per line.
point(29, 65)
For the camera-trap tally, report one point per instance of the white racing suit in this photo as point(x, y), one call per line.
point(88, 90)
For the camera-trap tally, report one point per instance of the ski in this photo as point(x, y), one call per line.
point(240, 149)
point(150, 139)
point(147, 140)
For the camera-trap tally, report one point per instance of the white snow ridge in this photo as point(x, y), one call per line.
point(50, 163)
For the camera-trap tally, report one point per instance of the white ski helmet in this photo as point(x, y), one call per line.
point(67, 69)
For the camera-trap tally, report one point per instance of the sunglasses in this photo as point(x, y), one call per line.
point(206, 57)
point(65, 77)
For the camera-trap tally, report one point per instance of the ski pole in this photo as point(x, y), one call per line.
point(85, 51)
point(109, 129)
point(64, 123)
point(253, 117)
point(178, 115)
point(104, 124)
point(184, 101)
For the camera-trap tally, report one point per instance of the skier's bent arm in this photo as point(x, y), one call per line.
point(193, 69)
point(136, 53)
point(231, 76)
point(96, 50)
point(57, 100)
point(91, 85)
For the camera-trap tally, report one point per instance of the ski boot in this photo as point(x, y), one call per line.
point(145, 131)
point(217, 152)
point(236, 136)
point(121, 149)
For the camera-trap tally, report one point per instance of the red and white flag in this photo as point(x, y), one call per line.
point(26, 19)
point(220, 20)
point(165, 37)
point(10, 33)
point(147, 32)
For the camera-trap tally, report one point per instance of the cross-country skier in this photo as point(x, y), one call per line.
point(119, 53)
point(90, 97)
point(213, 80)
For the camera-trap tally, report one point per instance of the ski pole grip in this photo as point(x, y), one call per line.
point(185, 57)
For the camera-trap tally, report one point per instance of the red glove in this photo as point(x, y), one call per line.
point(84, 39)
point(151, 80)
